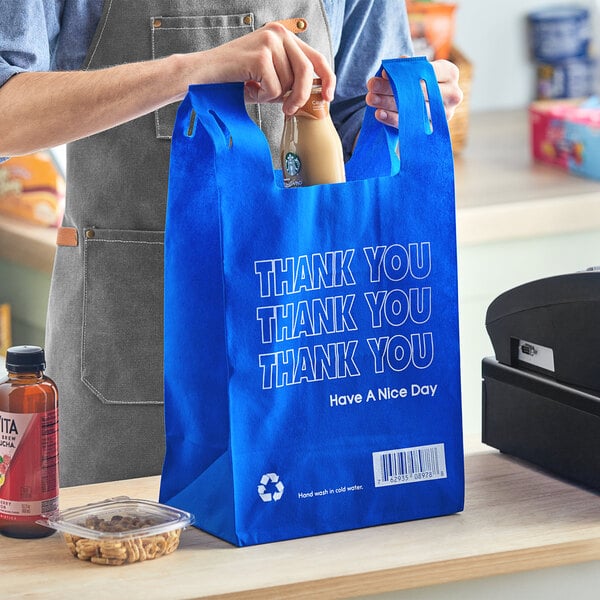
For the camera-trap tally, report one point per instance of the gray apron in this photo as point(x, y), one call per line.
point(104, 339)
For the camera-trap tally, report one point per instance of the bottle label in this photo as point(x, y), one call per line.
point(315, 108)
point(28, 464)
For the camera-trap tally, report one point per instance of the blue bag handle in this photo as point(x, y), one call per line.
point(213, 119)
point(421, 143)
point(219, 111)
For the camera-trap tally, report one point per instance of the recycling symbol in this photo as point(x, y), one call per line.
point(271, 480)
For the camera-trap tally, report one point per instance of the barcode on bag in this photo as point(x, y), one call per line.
point(409, 465)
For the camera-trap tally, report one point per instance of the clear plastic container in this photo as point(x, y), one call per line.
point(121, 530)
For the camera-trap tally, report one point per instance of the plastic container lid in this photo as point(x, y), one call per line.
point(119, 518)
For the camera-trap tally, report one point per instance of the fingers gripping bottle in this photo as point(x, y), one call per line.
point(311, 150)
point(28, 444)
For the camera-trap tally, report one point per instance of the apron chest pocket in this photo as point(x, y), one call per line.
point(181, 35)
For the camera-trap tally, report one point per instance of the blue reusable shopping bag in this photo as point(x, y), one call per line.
point(311, 334)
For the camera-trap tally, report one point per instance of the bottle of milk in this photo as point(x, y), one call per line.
point(311, 150)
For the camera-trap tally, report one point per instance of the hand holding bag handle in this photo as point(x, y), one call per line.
point(229, 133)
point(414, 133)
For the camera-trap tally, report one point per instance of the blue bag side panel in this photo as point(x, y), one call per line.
point(196, 366)
point(196, 418)
point(209, 498)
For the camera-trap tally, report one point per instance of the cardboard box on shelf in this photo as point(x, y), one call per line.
point(566, 134)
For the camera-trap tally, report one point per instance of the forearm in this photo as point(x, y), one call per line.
point(42, 110)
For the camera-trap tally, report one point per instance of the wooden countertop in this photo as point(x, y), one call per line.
point(501, 194)
point(516, 519)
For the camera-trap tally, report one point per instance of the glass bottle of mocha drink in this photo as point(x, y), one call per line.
point(311, 150)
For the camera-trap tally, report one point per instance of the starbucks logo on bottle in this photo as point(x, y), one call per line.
point(292, 164)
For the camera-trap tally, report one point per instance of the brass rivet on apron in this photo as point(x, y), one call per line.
point(301, 24)
point(247, 20)
point(157, 23)
point(89, 233)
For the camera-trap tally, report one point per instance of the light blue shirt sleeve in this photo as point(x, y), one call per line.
point(28, 31)
point(45, 35)
point(364, 32)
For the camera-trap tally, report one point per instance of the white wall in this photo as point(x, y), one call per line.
point(493, 36)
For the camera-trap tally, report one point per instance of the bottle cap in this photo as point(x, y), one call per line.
point(22, 359)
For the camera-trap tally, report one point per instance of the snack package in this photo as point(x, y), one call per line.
point(431, 28)
point(566, 134)
point(32, 189)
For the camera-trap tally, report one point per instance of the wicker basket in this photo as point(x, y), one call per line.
point(459, 124)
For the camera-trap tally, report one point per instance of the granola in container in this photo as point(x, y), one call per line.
point(121, 531)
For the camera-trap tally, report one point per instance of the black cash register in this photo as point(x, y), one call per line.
point(541, 391)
